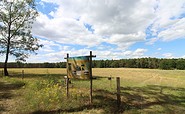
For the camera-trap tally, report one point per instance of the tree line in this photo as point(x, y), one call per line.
point(151, 63)
point(34, 65)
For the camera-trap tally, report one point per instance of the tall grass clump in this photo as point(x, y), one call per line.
point(50, 95)
point(42, 95)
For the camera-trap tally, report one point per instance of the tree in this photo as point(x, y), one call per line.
point(130, 63)
point(100, 64)
point(115, 64)
point(16, 18)
point(180, 64)
point(164, 64)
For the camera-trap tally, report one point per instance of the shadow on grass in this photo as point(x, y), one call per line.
point(170, 99)
point(6, 92)
point(10, 86)
point(2, 109)
point(35, 76)
point(46, 75)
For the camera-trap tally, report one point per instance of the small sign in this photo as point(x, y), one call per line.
point(78, 67)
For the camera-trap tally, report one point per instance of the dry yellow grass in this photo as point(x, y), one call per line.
point(38, 70)
point(128, 75)
point(144, 76)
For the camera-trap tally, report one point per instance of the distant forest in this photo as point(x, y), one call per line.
point(151, 63)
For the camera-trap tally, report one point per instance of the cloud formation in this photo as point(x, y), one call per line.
point(117, 23)
point(112, 29)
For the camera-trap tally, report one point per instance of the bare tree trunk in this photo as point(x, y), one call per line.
point(5, 69)
point(6, 59)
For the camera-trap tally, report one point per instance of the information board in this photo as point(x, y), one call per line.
point(78, 67)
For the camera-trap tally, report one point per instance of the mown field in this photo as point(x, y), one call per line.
point(142, 91)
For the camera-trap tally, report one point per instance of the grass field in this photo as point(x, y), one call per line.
point(142, 91)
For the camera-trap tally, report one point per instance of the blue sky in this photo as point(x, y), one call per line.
point(112, 29)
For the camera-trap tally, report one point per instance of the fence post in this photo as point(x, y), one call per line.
point(2, 73)
point(118, 92)
point(22, 74)
point(110, 80)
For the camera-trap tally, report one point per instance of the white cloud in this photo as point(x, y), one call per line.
point(168, 55)
point(108, 54)
point(126, 40)
point(64, 30)
point(168, 23)
point(159, 49)
point(138, 53)
point(152, 41)
point(120, 20)
point(176, 31)
point(183, 56)
point(49, 46)
point(57, 56)
point(120, 23)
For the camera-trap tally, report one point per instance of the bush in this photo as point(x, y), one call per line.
point(47, 95)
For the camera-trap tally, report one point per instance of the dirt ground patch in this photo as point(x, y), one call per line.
point(9, 97)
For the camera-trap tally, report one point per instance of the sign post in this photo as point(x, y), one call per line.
point(91, 76)
point(67, 80)
point(22, 74)
point(80, 68)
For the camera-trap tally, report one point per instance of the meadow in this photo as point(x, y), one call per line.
point(43, 90)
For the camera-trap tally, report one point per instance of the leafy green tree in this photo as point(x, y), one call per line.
point(167, 64)
point(180, 64)
point(16, 18)
point(155, 63)
point(107, 63)
point(19, 64)
point(115, 64)
point(130, 63)
point(122, 63)
point(173, 63)
point(164, 64)
point(100, 64)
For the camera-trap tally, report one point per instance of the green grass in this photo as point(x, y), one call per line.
point(142, 91)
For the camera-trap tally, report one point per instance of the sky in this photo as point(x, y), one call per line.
point(111, 29)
